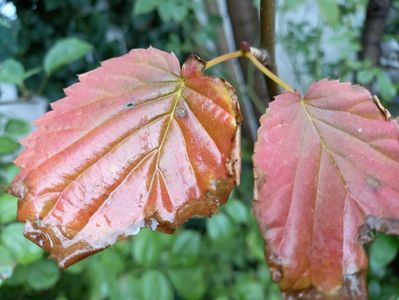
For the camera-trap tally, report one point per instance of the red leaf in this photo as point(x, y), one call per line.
point(327, 169)
point(138, 142)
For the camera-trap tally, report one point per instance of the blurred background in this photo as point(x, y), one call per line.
point(45, 43)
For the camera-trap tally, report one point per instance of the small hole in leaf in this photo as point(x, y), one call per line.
point(130, 105)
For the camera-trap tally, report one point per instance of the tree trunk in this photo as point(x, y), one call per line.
point(225, 43)
point(245, 23)
point(376, 16)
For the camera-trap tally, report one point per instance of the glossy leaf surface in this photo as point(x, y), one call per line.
point(138, 142)
point(327, 169)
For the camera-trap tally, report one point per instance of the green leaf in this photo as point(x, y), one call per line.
point(155, 285)
point(385, 86)
point(7, 264)
point(64, 52)
point(383, 250)
point(147, 248)
point(75, 268)
point(254, 243)
point(248, 289)
point(145, 6)
point(189, 282)
point(17, 127)
point(112, 261)
point(263, 274)
point(10, 171)
point(99, 279)
point(219, 227)
point(19, 275)
point(7, 145)
point(365, 76)
point(329, 11)
point(173, 11)
point(126, 288)
point(12, 71)
point(273, 292)
point(8, 208)
point(237, 211)
point(23, 250)
point(43, 274)
point(186, 247)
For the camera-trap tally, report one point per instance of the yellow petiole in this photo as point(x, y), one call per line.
point(254, 60)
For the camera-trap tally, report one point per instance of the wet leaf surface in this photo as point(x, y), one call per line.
point(138, 142)
point(327, 169)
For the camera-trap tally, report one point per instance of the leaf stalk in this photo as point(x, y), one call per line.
point(244, 53)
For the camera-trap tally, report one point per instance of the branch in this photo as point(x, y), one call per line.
point(267, 39)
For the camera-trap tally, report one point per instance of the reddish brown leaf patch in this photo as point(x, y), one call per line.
point(138, 142)
point(327, 169)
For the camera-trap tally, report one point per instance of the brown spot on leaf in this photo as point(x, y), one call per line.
point(259, 181)
point(373, 182)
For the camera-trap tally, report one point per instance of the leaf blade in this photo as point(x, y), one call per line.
point(327, 171)
point(141, 150)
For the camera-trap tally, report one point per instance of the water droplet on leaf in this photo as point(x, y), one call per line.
point(181, 110)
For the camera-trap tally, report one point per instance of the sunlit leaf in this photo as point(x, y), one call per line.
point(329, 11)
point(174, 11)
point(10, 171)
point(8, 208)
point(385, 86)
point(64, 52)
point(12, 71)
point(16, 127)
point(327, 169)
point(138, 142)
point(8, 145)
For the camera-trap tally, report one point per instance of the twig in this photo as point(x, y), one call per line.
point(267, 40)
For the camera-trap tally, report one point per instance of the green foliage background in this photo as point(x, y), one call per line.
point(217, 258)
